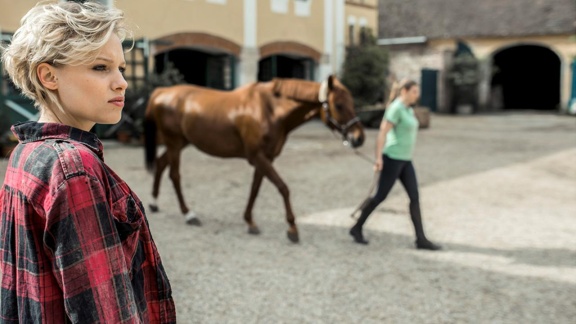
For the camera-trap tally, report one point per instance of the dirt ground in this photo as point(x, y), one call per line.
point(497, 191)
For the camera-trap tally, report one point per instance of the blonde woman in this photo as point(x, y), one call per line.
point(75, 245)
point(394, 149)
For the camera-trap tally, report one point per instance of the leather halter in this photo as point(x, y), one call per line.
point(330, 121)
point(342, 128)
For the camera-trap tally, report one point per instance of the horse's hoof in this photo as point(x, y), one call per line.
point(194, 222)
point(153, 208)
point(254, 230)
point(293, 237)
point(192, 219)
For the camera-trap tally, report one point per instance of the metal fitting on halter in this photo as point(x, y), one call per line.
point(342, 128)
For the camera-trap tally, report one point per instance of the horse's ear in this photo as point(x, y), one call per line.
point(331, 82)
point(277, 84)
point(325, 87)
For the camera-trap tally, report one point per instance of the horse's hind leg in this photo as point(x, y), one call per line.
point(174, 151)
point(256, 183)
point(161, 164)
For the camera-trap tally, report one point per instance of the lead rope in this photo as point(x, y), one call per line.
point(372, 185)
point(365, 202)
point(358, 153)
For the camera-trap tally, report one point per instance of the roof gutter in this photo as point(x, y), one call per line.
point(402, 40)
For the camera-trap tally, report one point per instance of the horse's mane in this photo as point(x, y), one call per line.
point(301, 90)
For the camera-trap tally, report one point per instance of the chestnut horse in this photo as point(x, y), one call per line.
point(251, 122)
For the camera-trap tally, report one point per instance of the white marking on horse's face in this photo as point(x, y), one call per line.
point(323, 93)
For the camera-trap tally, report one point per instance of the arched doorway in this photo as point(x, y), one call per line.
point(287, 60)
point(213, 70)
point(203, 59)
point(285, 66)
point(526, 77)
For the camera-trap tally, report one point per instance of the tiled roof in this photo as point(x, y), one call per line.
point(461, 18)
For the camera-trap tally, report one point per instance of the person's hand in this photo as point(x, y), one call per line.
point(378, 164)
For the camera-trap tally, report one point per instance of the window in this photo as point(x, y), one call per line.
point(279, 6)
point(302, 7)
point(351, 30)
point(350, 35)
point(363, 30)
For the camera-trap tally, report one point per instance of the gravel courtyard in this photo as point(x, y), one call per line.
point(498, 191)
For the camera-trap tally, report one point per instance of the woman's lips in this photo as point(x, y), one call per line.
point(119, 102)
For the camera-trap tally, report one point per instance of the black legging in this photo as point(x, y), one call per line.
point(392, 170)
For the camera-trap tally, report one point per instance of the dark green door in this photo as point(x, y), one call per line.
point(572, 101)
point(429, 82)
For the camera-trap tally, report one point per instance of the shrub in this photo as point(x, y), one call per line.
point(364, 71)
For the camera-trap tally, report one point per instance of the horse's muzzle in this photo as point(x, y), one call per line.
point(356, 141)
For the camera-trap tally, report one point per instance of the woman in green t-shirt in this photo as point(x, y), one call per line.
point(394, 148)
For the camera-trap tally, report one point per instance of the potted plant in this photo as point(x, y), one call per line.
point(463, 77)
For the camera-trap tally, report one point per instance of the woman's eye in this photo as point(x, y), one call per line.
point(122, 70)
point(100, 68)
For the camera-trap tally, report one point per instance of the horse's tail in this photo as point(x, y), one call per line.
point(150, 130)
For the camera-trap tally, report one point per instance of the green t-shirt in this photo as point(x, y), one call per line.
point(401, 139)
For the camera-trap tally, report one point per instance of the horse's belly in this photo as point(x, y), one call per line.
point(217, 142)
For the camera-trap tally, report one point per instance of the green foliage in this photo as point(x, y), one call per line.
point(364, 71)
point(464, 76)
point(169, 76)
point(464, 71)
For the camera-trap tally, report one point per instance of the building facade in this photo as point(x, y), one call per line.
point(226, 43)
point(526, 48)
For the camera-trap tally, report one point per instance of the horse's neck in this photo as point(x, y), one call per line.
point(298, 113)
point(299, 100)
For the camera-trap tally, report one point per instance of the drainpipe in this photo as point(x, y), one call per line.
point(572, 101)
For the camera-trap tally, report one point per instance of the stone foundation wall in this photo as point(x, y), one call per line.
point(408, 62)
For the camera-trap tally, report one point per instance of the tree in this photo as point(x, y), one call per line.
point(364, 71)
point(464, 75)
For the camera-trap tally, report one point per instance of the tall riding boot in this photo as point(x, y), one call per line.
point(421, 241)
point(356, 231)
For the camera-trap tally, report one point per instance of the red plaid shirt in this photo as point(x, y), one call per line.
point(75, 245)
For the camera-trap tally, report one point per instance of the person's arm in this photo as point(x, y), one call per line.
point(391, 118)
point(385, 127)
point(87, 256)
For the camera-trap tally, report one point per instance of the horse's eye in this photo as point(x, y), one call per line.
point(340, 107)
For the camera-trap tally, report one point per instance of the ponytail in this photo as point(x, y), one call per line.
point(397, 87)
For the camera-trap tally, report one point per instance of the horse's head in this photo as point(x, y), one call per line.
point(338, 111)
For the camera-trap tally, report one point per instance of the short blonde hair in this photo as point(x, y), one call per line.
point(63, 33)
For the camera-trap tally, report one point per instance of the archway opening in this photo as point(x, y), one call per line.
point(526, 77)
point(285, 66)
point(213, 70)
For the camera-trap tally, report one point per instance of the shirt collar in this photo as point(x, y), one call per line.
point(33, 131)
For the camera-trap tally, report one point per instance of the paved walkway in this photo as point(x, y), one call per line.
point(498, 191)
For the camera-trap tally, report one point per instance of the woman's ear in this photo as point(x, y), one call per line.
point(402, 91)
point(47, 76)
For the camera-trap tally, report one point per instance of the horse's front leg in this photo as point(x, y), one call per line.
point(264, 165)
point(256, 183)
